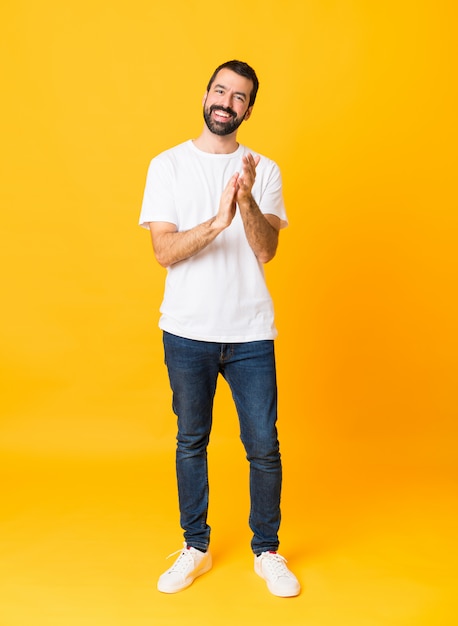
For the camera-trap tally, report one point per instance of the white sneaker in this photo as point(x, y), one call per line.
point(280, 581)
point(190, 564)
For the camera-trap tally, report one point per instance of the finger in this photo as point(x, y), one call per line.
point(249, 167)
point(249, 161)
point(253, 160)
point(232, 182)
point(233, 185)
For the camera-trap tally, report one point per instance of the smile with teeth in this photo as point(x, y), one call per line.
point(223, 114)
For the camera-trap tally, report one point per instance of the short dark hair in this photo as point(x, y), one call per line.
point(243, 69)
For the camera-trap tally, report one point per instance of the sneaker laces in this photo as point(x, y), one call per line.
point(183, 562)
point(276, 564)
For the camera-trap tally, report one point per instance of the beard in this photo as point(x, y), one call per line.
point(222, 128)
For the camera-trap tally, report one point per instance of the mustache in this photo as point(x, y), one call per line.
point(216, 107)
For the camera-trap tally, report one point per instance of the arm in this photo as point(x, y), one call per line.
point(261, 230)
point(171, 246)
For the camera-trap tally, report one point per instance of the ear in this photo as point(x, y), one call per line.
point(248, 113)
point(204, 98)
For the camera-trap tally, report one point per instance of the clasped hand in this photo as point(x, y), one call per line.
point(237, 191)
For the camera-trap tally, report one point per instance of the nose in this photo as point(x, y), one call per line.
point(227, 100)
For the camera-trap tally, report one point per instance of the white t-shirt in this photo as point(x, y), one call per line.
point(219, 294)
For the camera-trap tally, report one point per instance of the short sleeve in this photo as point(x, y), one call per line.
point(270, 190)
point(158, 200)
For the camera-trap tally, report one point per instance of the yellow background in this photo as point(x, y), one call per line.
point(357, 104)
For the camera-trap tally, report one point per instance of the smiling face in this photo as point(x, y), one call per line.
point(226, 104)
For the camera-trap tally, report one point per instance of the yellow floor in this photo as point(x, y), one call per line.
point(84, 538)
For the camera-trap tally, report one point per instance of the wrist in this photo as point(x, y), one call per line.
point(215, 225)
point(246, 201)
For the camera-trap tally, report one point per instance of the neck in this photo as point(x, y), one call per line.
point(216, 144)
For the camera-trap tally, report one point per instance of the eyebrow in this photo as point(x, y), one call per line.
point(238, 93)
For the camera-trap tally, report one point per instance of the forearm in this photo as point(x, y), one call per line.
point(173, 246)
point(261, 235)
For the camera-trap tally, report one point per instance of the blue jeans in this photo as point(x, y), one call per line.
point(249, 369)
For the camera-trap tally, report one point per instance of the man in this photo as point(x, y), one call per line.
point(214, 210)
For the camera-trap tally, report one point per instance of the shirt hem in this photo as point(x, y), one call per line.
point(264, 336)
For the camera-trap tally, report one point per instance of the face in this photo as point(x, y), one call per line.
point(226, 104)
